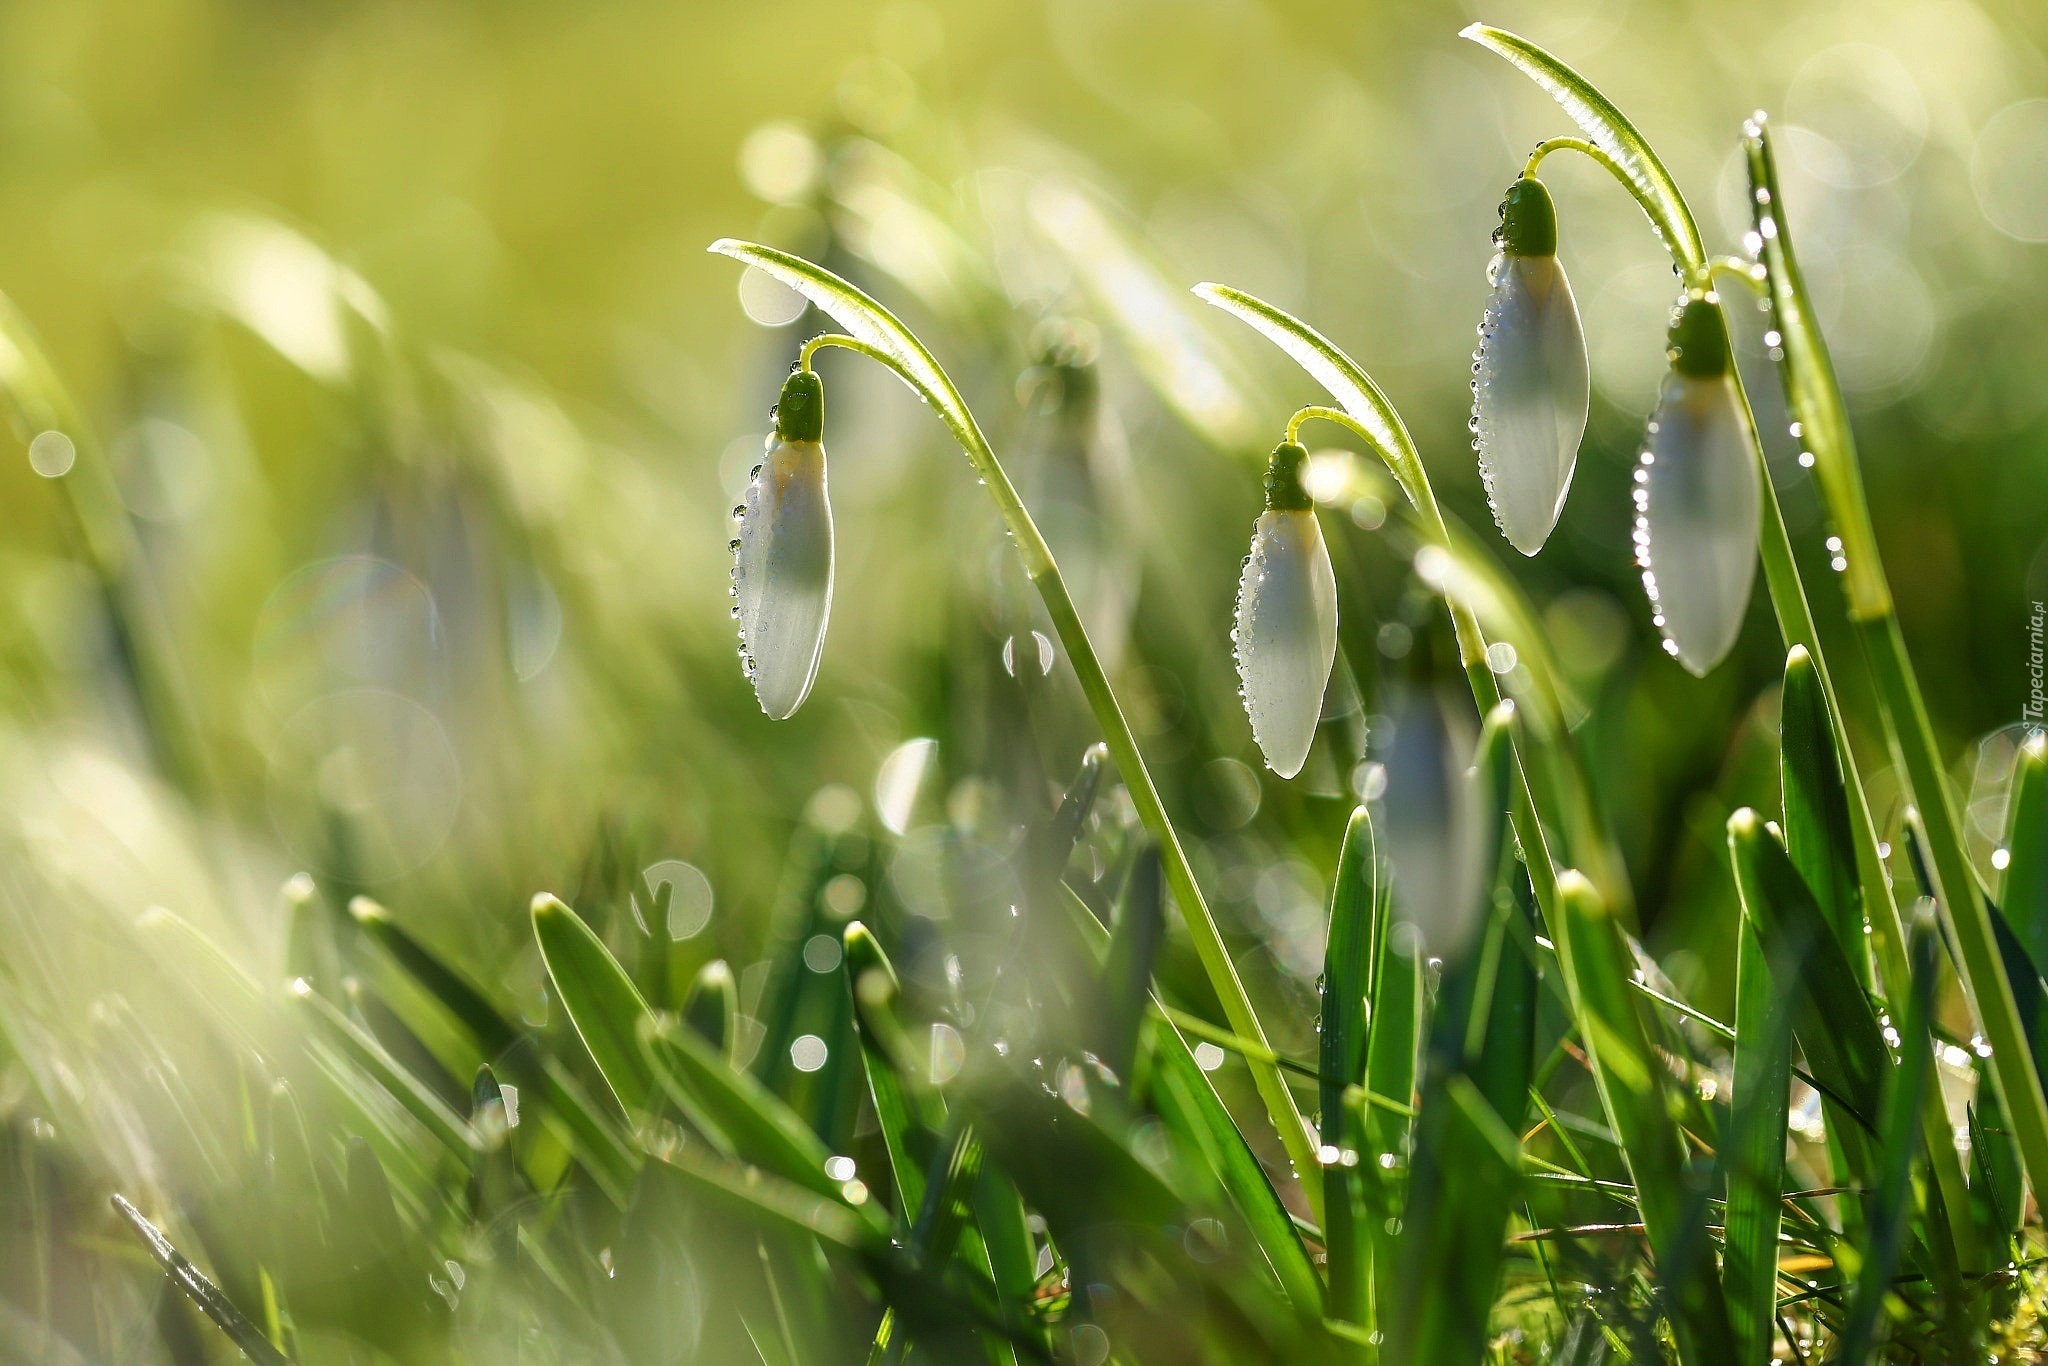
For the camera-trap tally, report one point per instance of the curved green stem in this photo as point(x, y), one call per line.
point(931, 382)
point(1486, 693)
point(841, 340)
point(1464, 621)
point(1570, 144)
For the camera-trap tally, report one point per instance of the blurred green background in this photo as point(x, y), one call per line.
point(419, 410)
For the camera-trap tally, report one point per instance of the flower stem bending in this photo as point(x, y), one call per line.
point(886, 340)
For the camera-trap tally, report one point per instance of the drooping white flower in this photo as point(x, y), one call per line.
point(1530, 382)
point(782, 555)
point(1698, 502)
point(1286, 633)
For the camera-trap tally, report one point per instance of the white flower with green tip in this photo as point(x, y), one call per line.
point(782, 556)
point(1286, 633)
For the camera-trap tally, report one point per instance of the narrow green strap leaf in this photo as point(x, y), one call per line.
point(2023, 894)
point(1892, 1214)
point(1127, 974)
point(736, 1112)
point(1190, 1107)
point(1347, 959)
point(908, 1114)
point(419, 1100)
point(1817, 833)
point(1832, 1017)
point(1611, 132)
point(600, 1000)
point(494, 1034)
point(1632, 1085)
point(589, 1134)
point(1754, 1156)
point(1455, 1258)
point(1811, 390)
point(201, 1291)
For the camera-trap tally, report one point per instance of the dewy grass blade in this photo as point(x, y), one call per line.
point(1190, 1107)
point(1832, 1017)
point(1815, 400)
point(600, 1000)
point(908, 1115)
point(421, 1102)
point(201, 1291)
point(885, 339)
point(1754, 1155)
point(1611, 132)
point(1817, 832)
point(1632, 1086)
point(1347, 960)
point(1892, 1212)
point(590, 1135)
point(2023, 893)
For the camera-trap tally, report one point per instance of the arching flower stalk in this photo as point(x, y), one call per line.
point(782, 556)
point(1285, 638)
point(1697, 499)
point(1530, 380)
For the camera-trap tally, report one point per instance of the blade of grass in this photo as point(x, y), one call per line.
point(2023, 893)
point(1816, 806)
point(1632, 1084)
point(713, 1006)
point(201, 1291)
point(1463, 1186)
point(600, 1000)
point(1754, 1156)
point(908, 1115)
point(1892, 1211)
point(1832, 1018)
point(415, 1095)
point(1188, 1104)
point(1347, 962)
point(589, 1134)
point(1815, 399)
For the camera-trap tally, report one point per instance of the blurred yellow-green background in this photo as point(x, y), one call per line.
point(391, 545)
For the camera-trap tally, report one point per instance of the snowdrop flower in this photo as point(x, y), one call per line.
point(1697, 498)
point(1286, 633)
point(1530, 383)
point(782, 557)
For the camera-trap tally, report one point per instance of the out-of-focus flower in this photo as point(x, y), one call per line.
point(782, 556)
point(1286, 631)
point(1697, 498)
point(1530, 381)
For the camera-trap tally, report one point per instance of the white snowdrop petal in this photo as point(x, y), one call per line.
point(1286, 635)
point(1530, 389)
point(782, 575)
point(1697, 535)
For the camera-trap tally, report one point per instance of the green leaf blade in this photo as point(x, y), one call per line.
point(599, 998)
